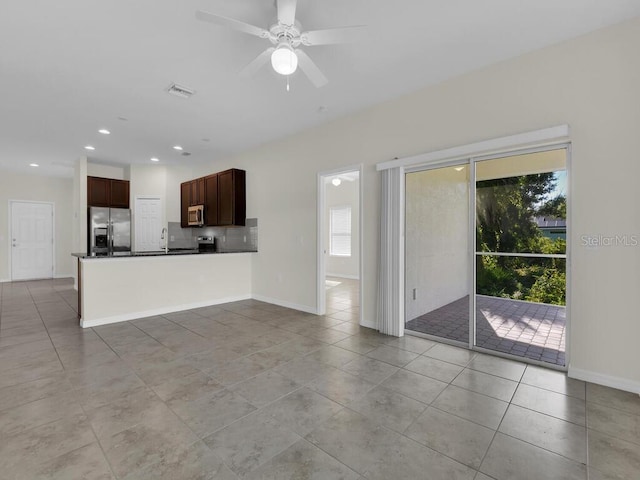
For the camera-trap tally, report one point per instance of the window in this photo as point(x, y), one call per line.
point(340, 233)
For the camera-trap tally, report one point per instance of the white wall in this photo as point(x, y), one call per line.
point(157, 181)
point(345, 194)
point(590, 83)
point(171, 283)
point(59, 191)
point(436, 239)
point(107, 171)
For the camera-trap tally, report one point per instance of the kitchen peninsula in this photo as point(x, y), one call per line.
point(117, 288)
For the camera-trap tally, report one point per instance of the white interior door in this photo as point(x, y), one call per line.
point(148, 224)
point(31, 240)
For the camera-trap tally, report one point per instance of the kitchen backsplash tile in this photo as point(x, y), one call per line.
point(228, 239)
point(181, 237)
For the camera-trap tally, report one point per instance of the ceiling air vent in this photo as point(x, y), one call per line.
point(180, 91)
point(185, 154)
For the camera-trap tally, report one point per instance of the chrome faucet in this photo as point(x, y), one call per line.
point(164, 236)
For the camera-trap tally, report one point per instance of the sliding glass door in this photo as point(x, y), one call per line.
point(486, 254)
point(520, 255)
point(437, 268)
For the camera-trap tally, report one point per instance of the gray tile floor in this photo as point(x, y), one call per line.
point(525, 329)
point(252, 390)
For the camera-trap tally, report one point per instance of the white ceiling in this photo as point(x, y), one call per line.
point(70, 67)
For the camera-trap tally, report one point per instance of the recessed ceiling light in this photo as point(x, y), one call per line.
point(104, 131)
point(177, 147)
point(89, 147)
point(458, 169)
point(336, 182)
point(34, 165)
point(154, 159)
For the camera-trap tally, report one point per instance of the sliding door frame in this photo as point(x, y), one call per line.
point(471, 161)
point(472, 228)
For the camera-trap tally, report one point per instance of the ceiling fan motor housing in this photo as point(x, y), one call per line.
point(290, 34)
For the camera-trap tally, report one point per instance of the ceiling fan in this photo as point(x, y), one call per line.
point(287, 37)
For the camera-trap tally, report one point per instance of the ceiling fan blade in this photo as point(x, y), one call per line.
point(231, 23)
point(310, 69)
point(287, 11)
point(333, 35)
point(257, 63)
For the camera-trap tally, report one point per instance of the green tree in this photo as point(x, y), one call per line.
point(505, 212)
point(555, 207)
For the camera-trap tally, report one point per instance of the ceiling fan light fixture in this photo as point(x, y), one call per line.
point(284, 60)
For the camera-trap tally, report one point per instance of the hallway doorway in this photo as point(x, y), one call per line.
point(339, 244)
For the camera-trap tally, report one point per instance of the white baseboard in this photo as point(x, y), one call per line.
point(369, 325)
point(340, 275)
point(63, 275)
point(158, 311)
point(57, 275)
point(603, 379)
point(282, 303)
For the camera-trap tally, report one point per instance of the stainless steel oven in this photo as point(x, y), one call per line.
point(195, 216)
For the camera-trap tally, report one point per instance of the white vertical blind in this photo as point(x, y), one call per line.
point(390, 312)
point(340, 226)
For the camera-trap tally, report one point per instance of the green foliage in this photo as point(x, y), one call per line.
point(506, 209)
point(554, 207)
point(549, 287)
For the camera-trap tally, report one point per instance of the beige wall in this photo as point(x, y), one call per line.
point(436, 239)
point(345, 194)
point(59, 191)
point(591, 83)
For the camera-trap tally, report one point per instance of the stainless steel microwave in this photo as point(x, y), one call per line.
point(195, 216)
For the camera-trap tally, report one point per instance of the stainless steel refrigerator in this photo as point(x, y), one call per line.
point(109, 231)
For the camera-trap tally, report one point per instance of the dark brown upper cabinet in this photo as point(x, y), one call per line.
point(232, 203)
point(198, 192)
point(185, 202)
point(223, 195)
point(120, 193)
point(211, 201)
point(107, 192)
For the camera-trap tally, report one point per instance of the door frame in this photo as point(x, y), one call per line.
point(135, 216)
point(321, 233)
point(10, 236)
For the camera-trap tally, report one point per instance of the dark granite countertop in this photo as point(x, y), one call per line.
point(158, 253)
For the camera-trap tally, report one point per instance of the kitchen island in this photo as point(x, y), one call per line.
point(126, 285)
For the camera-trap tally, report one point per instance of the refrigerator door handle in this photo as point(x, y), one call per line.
point(110, 236)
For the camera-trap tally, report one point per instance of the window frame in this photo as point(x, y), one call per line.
point(348, 235)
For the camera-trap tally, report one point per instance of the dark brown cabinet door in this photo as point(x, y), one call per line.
point(201, 190)
point(185, 202)
point(211, 200)
point(98, 192)
point(107, 192)
point(193, 192)
point(231, 197)
point(120, 193)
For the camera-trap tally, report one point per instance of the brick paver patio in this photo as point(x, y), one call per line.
point(525, 329)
